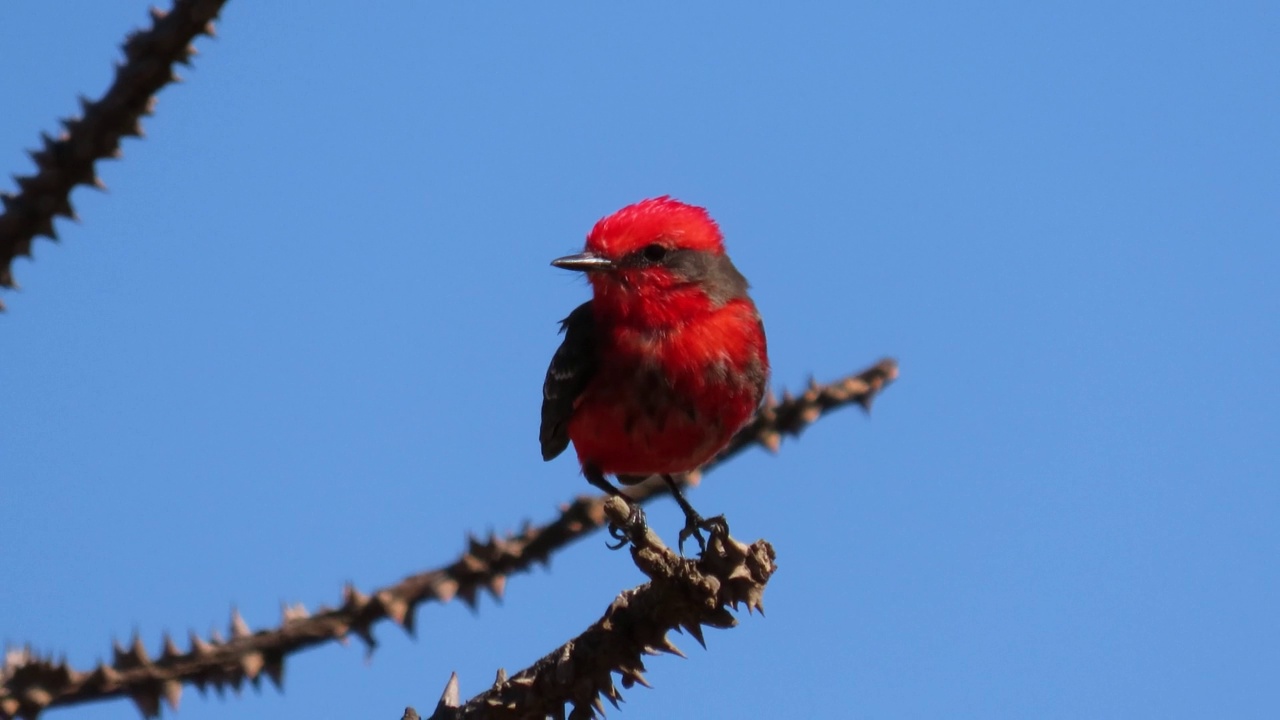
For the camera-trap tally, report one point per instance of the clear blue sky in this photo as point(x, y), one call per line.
point(301, 342)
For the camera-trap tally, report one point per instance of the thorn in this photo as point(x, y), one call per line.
point(239, 628)
point(148, 702)
point(170, 650)
point(468, 594)
point(36, 699)
point(105, 677)
point(497, 585)
point(501, 677)
point(43, 159)
point(695, 631)
point(445, 589)
point(352, 599)
point(199, 647)
point(139, 651)
point(410, 624)
point(86, 176)
point(471, 563)
point(63, 674)
point(771, 441)
point(665, 645)
point(251, 664)
point(172, 690)
point(397, 607)
point(612, 695)
point(65, 210)
point(474, 546)
point(366, 636)
point(450, 697)
point(45, 227)
point(720, 618)
point(291, 613)
point(273, 666)
point(632, 676)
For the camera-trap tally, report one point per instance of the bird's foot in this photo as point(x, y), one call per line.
point(634, 525)
point(694, 524)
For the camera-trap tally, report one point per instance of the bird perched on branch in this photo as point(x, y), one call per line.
point(666, 361)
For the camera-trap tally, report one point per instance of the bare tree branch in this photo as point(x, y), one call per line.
point(29, 683)
point(681, 594)
point(68, 160)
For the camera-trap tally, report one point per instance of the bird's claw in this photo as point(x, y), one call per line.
point(695, 524)
point(635, 524)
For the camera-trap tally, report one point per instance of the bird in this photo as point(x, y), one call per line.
point(665, 362)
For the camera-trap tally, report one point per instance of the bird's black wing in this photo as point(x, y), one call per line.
point(571, 369)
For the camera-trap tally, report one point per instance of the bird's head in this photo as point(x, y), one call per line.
point(656, 262)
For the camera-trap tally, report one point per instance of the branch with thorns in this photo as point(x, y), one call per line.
point(682, 594)
point(30, 683)
point(68, 160)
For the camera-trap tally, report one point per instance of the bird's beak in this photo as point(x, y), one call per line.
point(585, 262)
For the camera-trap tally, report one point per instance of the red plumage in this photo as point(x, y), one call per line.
point(667, 361)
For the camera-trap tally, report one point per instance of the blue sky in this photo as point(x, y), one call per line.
point(301, 340)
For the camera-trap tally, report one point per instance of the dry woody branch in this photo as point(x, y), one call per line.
point(65, 161)
point(682, 594)
point(30, 683)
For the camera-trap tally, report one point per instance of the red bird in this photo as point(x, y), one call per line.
point(666, 361)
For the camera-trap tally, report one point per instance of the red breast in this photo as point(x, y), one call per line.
point(665, 402)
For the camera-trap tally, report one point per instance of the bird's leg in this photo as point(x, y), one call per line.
point(635, 520)
point(694, 523)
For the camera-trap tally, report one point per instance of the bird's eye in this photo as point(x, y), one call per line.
point(654, 253)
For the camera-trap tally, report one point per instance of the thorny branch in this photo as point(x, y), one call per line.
point(68, 160)
point(578, 673)
point(30, 683)
point(681, 594)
